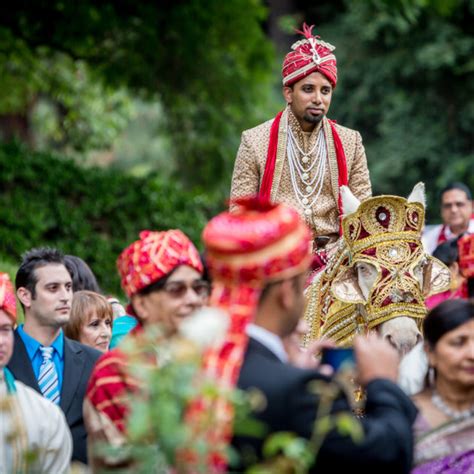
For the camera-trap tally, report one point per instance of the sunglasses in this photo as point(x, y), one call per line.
point(177, 289)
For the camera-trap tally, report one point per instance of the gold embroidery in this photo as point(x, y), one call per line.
point(385, 231)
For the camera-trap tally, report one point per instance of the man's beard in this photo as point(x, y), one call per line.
point(314, 119)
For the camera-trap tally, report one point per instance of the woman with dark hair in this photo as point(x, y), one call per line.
point(82, 276)
point(444, 429)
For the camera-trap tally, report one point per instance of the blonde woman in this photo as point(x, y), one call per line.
point(91, 320)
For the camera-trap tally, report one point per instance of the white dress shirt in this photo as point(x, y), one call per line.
point(269, 339)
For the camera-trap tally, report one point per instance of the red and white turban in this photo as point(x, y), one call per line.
point(309, 55)
point(7, 297)
point(154, 256)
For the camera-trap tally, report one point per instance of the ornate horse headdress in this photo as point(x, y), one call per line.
point(385, 232)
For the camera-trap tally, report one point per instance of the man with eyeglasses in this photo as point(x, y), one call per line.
point(457, 214)
point(162, 275)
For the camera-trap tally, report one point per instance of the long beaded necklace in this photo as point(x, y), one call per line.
point(312, 187)
point(440, 404)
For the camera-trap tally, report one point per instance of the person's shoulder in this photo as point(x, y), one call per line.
point(87, 351)
point(111, 372)
point(35, 404)
point(345, 131)
point(261, 367)
point(110, 363)
point(259, 129)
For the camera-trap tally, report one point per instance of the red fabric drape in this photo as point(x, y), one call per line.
point(342, 168)
point(266, 187)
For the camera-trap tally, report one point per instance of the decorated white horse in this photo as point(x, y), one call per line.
point(379, 275)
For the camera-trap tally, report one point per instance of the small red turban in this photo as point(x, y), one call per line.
point(154, 256)
point(7, 297)
point(309, 55)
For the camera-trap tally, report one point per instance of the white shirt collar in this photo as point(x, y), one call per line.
point(269, 339)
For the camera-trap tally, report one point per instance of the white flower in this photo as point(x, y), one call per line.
point(205, 327)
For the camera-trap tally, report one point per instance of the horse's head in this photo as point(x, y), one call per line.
point(387, 273)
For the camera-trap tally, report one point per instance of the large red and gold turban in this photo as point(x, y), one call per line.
point(7, 297)
point(154, 256)
point(256, 244)
point(309, 55)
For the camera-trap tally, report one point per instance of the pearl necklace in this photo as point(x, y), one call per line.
point(312, 186)
point(440, 404)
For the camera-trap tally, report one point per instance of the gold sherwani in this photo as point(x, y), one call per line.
point(250, 166)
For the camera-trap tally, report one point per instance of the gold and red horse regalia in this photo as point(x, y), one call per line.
point(381, 237)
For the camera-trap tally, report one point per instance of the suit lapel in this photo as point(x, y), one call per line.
point(73, 368)
point(20, 365)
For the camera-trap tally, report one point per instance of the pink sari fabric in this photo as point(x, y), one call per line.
point(447, 449)
point(435, 300)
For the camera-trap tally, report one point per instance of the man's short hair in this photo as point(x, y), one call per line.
point(33, 259)
point(456, 185)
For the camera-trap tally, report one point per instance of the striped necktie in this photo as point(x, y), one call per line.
point(48, 377)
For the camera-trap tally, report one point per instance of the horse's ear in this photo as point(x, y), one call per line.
point(418, 194)
point(350, 203)
point(345, 288)
point(436, 277)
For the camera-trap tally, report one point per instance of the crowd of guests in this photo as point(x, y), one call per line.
point(66, 381)
point(64, 390)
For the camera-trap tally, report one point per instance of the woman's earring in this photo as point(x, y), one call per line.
point(431, 376)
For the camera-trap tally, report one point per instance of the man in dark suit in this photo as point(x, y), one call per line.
point(259, 258)
point(43, 358)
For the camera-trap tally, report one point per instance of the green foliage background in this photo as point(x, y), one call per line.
point(167, 87)
point(90, 212)
point(406, 83)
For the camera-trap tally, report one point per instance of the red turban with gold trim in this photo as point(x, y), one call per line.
point(154, 256)
point(7, 297)
point(309, 55)
point(256, 244)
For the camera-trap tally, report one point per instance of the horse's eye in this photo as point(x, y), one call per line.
point(363, 268)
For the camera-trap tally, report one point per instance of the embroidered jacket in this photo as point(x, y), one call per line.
point(250, 165)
